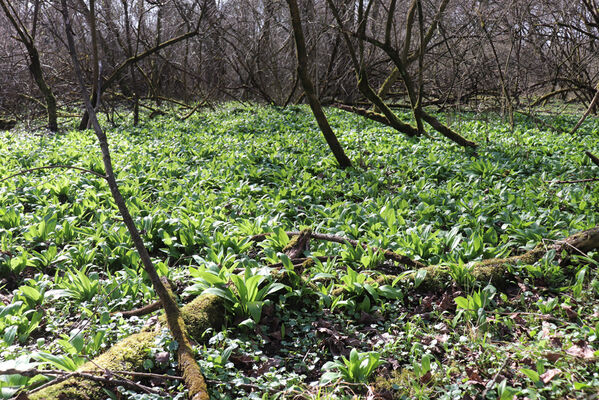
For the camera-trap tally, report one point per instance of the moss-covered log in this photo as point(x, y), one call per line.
point(496, 270)
point(206, 311)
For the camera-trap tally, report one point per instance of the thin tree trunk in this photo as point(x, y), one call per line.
point(35, 66)
point(36, 71)
point(302, 69)
point(191, 371)
point(587, 113)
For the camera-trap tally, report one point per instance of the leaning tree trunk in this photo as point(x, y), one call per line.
point(588, 112)
point(302, 69)
point(192, 374)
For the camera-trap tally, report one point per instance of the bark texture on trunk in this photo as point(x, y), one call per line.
point(304, 74)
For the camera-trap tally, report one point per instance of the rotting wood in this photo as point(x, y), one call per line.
point(298, 244)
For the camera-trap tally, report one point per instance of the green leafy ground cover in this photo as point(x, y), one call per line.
point(202, 187)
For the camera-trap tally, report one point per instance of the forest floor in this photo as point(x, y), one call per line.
point(349, 324)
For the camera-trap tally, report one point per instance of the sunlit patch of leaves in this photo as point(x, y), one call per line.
point(200, 188)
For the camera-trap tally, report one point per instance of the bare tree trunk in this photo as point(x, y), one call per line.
point(302, 69)
point(187, 363)
point(587, 113)
point(35, 66)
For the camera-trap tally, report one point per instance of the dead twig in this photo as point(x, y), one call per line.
point(494, 380)
point(138, 312)
point(103, 376)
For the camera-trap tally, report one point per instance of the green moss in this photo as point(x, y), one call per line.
point(206, 311)
point(126, 355)
point(297, 238)
point(403, 384)
point(129, 354)
point(309, 263)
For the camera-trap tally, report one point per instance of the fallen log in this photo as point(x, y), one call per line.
point(496, 270)
point(389, 254)
point(205, 311)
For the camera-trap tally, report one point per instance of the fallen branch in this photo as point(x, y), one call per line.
point(374, 116)
point(138, 312)
point(389, 254)
point(496, 270)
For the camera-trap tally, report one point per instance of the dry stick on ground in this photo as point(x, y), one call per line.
point(194, 380)
point(138, 312)
point(105, 377)
point(587, 113)
point(389, 254)
point(494, 380)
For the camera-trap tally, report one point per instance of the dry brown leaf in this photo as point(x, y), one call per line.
point(473, 375)
point(570, 313)
point(553, 357)
point(581, 352)
point(426, 378)
point(549, 375)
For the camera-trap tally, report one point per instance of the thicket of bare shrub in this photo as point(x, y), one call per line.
point(511, 54)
